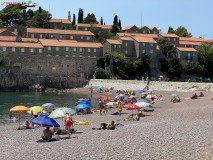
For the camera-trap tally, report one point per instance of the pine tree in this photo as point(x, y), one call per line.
point(73, 21)
point(80, 16)
point(119, 23)
point(101, 21)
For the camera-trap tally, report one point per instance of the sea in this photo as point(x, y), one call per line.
point(30, 99)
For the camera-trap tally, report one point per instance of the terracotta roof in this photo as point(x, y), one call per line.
point(8, 38)
point(20, 44)
point(210, 41)
point(126, 38)
point(144, 39)
point(128, 27)
point(186, 49)
point(192, 39)
point(94, 25)
point(58, 31)
point(137, 35)
point(113, 41)
point(106, 27)
point(151, 28)
point(55, 42)
point(189, 43)
point(169, 35)
point(67, 41)
point(29, 39)
point(60, 21)
point(2, 30)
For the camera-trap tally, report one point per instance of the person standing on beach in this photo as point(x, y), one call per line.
point(119, 106)
point(10, 115)
point(91, 91)
point(100, 106)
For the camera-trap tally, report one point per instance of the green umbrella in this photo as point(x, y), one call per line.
point(60, 112)
point(35, 109)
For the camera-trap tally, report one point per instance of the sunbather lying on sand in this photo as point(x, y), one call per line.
point(110, 126)
point(59, 131)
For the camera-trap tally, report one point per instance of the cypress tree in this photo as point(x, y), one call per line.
point(119, 23)
point(80, 16)
point(115, 22)
point(101, 20)
point(73, 21)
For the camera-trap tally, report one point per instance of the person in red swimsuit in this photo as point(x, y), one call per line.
point(68, 124)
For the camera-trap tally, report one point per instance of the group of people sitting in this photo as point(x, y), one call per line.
point(195, 96)
point(175, 99)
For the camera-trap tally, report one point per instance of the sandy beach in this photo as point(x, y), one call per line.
point(172, 132)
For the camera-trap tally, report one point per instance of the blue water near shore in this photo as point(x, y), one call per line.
point(30, 99)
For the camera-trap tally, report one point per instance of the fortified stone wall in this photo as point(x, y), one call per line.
point(154, 85)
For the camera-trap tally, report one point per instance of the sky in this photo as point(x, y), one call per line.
point(195, 15)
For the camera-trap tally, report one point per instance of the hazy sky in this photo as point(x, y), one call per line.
point(195, 15)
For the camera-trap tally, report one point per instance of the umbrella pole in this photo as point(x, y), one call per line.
point(19, 121)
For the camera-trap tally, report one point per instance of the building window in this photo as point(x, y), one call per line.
point(51, 36)
point(119, 46)
point(40, 50)
point(151, 44)
point(15, 30)
point(154, 32)
point(88, 49)
point(126, 44)
point(60, 36)
point(22, 49)
point(169, 39)
point(85, 28)
point(88, 38)
point(126, 52)
point(71, 37)
point(114, 46)
point(94, 49)
point(57, 48)
point(67, 48)
point(151, 51)
point(13, 49)
point(144, 51)
point(80, 49)
point(4, 49)
point(144, 44)
point(40, 35)
point(74, 49)
point(49, 48)
point(144, 31)
point(174, 39)
point(82, 37)
point(32, 35)
point(31, 49)
point(136, 31)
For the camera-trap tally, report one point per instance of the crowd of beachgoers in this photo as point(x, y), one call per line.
point(127, 118)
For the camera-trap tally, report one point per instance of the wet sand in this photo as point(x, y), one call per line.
point(173, 131)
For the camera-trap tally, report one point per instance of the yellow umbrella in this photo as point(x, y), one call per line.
point(35, 109)
point(19, 109)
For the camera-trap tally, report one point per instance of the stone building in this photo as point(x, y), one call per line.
point(81, 36)
point(8, 36)
point(131, 29)
point(93, 27)
point(111, 45)
point(173, 38)
point(142, 29)
point(59, 23)
point(21, 30)
point(187, 55)
point(154, 30)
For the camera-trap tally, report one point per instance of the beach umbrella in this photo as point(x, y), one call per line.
point(127, 99)
point(82, 106)
point(99, 86)
point(48, 106)
point(132, 96)
point(102, 98)
point(132, 107)
point(60, 112)
point(36, 109)
point(141, 91)
point(174, 95)
point(110, 103)
point(19, 109)
point(192, 90)
point(142, 104)
point(84, 101)
point(151, 96)
point(120, 96)
point(45, 121)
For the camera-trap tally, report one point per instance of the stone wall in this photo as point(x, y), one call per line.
point(154, 85)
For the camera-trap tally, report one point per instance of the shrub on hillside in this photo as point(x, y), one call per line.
point(101, 74)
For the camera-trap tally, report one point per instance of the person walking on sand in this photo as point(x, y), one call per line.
point(119, 107)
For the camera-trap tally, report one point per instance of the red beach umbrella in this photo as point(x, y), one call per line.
point(132, 107)
point(151, 96)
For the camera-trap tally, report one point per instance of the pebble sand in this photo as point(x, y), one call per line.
point(180, 131)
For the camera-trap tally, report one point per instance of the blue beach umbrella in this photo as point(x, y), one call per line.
point(82, 106)
point(99, 87)
point(45, 121)
point(84, 101)
point(174, 95)
point(141, 91)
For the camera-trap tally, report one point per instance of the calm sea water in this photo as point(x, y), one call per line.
point(30, 99)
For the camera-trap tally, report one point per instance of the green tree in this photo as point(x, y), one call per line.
point(119, 24)
point(30, 14)
point(180, 31)
point(40, 19)
point(115, 26)
point(90, 19)
point(4, 59)
point(193, 68)
point(74, 20)
point(101, 63)
point(142, 64)
point(115, 22)
point(205, 58)
point(101, 20)
point(103, 35)
point(101, 74)
point(164, 65)
point(80, 16)
point(175, 68)
point(167, 48)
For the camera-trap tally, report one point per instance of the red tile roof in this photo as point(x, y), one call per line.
point(189, 43)
point(67, 41)
point(20, 44)
point(29, 39)
point(169, 35)
point(151, 28)
point(66, 21)
point(113, 41)
point(126, 38)
point(2, 30)
point(58, 31)
point(94, 25)
point(144, 39)
point(128, 27)
point(192, 39)
point(210, 41)
point(186, 49)
point(8, 38)
point(55, 42)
